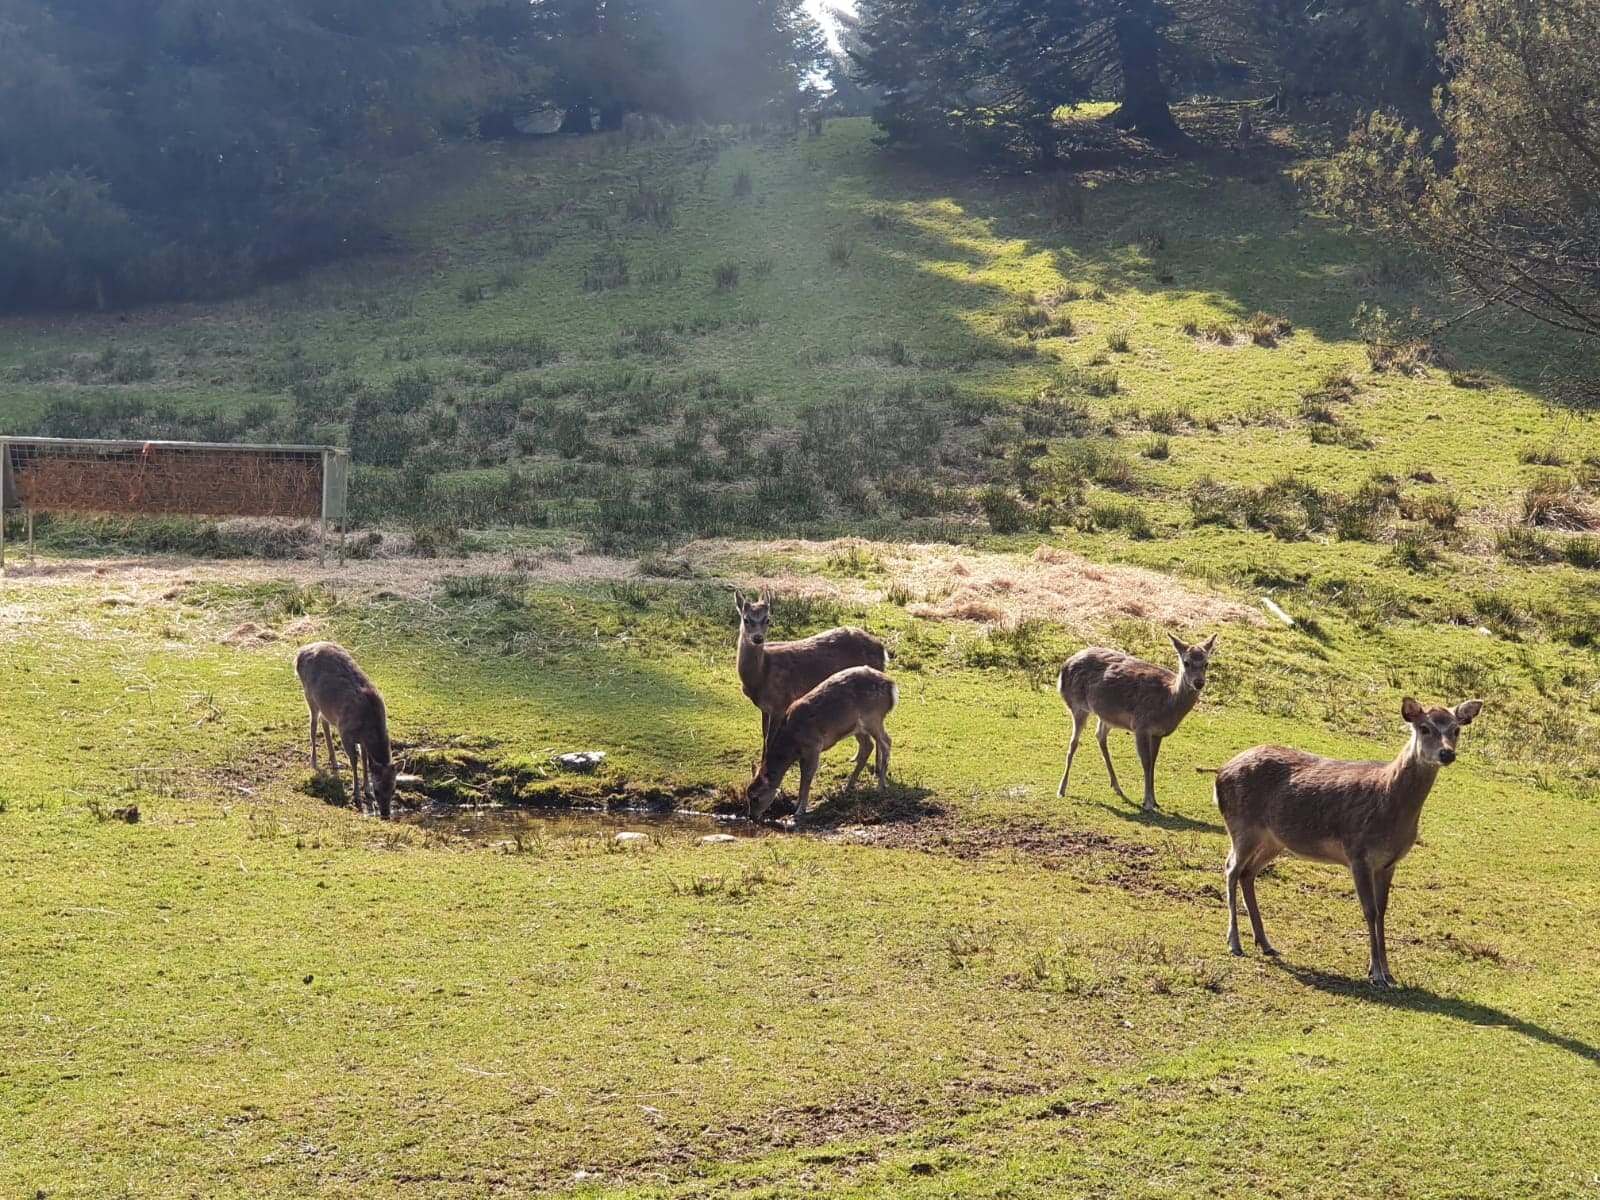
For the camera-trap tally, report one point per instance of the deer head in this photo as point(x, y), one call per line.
point(755, 617)
point(1193, 660)
point(1435, 730)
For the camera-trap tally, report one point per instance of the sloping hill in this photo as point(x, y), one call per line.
point(576, 358)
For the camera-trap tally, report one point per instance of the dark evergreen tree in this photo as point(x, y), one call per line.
point(982, 77)
point(172, 147)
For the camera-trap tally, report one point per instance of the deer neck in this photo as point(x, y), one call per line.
point(752, 663)
point(1180, 699)
point(1410, 779)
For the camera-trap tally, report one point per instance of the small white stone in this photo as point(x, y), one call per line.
point(632, 839)
point(716, 839)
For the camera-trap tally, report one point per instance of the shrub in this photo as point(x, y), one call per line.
point(1157, 448)
point(1265, 329)
point(1117, 341)
point(1520, 544)
point(1004, 510)
point(608, 269)
point(1582, 552)
point(1064, 201)
point(742, 186)
point(1554, 501)
point(725, 275)
point(839, 250)
point(1121, 515)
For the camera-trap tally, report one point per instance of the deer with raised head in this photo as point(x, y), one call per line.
point(776, 674)
point(1124, 692)
point(341, 696)
point(1362, 815)
point(853, 701)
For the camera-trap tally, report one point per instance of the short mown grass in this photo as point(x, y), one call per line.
point(251, 991)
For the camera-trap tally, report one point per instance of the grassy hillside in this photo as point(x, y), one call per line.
point(1048, 414)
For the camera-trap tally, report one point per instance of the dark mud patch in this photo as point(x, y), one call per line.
point(1086, 855)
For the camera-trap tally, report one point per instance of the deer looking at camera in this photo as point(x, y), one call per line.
point(852, 701)
point(1361, 814)
point(776, 674)
point(339, 694)
point(1124, 692)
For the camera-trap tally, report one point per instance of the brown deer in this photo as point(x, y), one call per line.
point(1361, 814)
point(340, 694)
point(776, 674)
point(853, 701)
point(1124, 692)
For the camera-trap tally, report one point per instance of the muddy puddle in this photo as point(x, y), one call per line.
point(491, 825)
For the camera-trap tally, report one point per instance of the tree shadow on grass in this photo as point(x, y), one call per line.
point(1426, 1001)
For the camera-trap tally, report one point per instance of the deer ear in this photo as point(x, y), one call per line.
point(764, 597)
point(1410, 711)
point(1177, 643)
point(1211, 645)
point(1468, 709)
point(738, 603)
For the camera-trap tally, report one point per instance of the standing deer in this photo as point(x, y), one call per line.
point(340, 694)
point(1361, 814)
point(1124, 692)
point(852, 701)
point(776, 674)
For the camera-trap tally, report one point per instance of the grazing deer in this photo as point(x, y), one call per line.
point(853, 701)
point(1361, 814)
point(1124, 692)
point(340, 694)
point(776, 674)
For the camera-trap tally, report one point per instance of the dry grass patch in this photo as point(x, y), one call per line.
point(1054, 585)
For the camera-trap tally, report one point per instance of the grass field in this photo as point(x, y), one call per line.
point(990, 420)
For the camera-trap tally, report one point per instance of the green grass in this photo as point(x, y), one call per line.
point(252, 992)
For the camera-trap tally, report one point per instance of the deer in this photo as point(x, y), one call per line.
point(1124, 692)
point(776, 674)
point(855, 700)
point(340, 695)
point(1362, 815)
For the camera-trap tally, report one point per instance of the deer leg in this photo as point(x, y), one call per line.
point(352, 751)
point(1233, 902)
point(1148, 745)
point(1101, 729)
point(1366, 892)
point(882, 738)
point(808, 772)
point(766, 728)
point(1381, 879)
point(1079, 720)
point(313, 739)
point(327, 732)
point(863, 752)
point(1247, 883)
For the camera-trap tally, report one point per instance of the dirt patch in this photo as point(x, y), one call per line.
point(1049, 845)
point(399, 577)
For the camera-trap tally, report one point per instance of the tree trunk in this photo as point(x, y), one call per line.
point(611, 117)
point(1144, 109)
point(579, 118)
